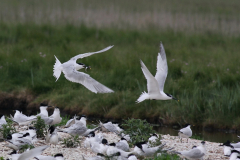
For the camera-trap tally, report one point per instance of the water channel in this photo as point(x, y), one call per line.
point(212, 136)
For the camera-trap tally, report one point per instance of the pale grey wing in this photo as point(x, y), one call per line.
point(186, 131)
point(40, 157)
point(79, 77)
point(152, 83)
point(90, 53)
point(193, 153)
point(32, 153)
point(70, 122)
point(162, 68)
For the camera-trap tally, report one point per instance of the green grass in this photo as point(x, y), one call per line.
point(203, 72)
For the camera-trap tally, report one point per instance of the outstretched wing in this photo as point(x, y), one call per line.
point(162, 68)
point(79, 77)
point(90, 53)
point(152, 83)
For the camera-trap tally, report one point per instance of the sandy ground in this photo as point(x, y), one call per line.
point(214, 151)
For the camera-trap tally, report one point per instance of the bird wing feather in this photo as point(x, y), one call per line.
point(79, 77)
point(90, 53)
point(152, 84)
point(162, 68)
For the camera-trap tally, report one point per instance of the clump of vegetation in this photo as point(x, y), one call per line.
point(139, 130)
point(7, 128)
point(71, 142)
point(24, 147)
point(41, 127)
point(165, 157)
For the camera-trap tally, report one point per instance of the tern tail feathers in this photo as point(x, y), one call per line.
point(142, 97)
point(57, 69)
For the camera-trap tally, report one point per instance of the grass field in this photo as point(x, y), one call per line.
point(203, 60)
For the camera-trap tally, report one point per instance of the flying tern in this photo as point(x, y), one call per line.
point(155, 85)
point(70, 70)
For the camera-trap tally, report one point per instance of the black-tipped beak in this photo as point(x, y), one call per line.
point(175, 99)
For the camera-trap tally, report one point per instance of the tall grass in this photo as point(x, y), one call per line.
point(203, 72)
point(218, 16)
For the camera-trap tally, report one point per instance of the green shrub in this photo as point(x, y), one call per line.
point(71, 142)
point(139, 130)
point(7, 128)
point(41, 127)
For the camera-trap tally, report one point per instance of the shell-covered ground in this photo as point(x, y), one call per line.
point(214, 151)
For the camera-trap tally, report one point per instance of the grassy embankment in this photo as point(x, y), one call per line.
point(203, 72)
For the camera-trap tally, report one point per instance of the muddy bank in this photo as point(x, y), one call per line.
point(25, 102)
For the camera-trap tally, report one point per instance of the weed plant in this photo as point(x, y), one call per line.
point(165, 157)
point(41, 127)
point(71, 142)
point(139, 130)
point(24, 147)
point(7, 128)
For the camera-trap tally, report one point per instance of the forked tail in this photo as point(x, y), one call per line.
point(57, 69)
point(142, 97)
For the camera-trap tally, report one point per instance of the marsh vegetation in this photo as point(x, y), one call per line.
point(201, 42)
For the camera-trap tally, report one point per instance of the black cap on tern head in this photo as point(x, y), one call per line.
point(26, 134)
point(43, 104)
point(32, 128)
point(58, 155)
point(100, 154)
point(91, 134)
point(194, 147)
point(235, 151)
point(123, 139)
point(203, 142)
point(9, 136)
point(13, 152)
point(51, 129)
point(112, 144)
point(104, 141)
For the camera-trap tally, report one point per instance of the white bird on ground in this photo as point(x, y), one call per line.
point(123, 145)
point(92, 138)
point(195, 153)
point(185, 132)
point(32, 153)
point(155, 85)
point(71, 121)
point(108, 127)
point(58, 156)
point(2, 121)
point(70, 70)
point(132, 157)
point(56, 116)
point(112, 150)
point(43, 109)
point(234, 155)
point(52, 136)
point(227, 148)
point(142, 149)
point(78, 128)
point(17, 140)
point(152, 139)
point(99, 156)
point(100, 148)
point(22, 119)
